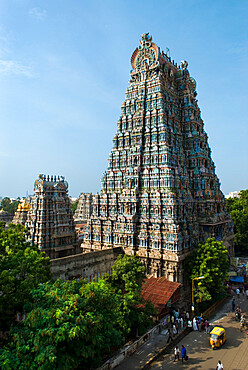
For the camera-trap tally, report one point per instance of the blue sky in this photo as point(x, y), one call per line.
point(64, 69)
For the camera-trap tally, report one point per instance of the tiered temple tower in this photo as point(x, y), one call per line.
point(21, 213)
point(160, 195)
point(84, 208)
point(50, 218)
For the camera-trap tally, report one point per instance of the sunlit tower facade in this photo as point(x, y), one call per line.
point(160, 195)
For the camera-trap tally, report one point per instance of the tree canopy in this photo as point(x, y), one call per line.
point(22, 268)
point(8, 206)
point(74, 206)
point(76, 324)
point(211, 261)
point(134, 314)
point(71, 325)
point(238, 209)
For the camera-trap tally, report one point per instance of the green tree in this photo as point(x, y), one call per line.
point(211, 261)
point(134, 314)
point(238, 209)
point(8, 206)
point(74, 206)
point(22, 268)
point(72, 325)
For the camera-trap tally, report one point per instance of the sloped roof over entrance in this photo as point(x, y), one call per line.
point(160, 291)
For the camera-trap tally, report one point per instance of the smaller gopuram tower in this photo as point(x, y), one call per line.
point(50, 218)
point(84, 208)
point(21, 213)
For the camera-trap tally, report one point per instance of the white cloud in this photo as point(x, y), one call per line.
point(13, 67)
point(38, 13)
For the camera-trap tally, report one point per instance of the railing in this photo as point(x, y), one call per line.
point(129, 349)
point(211, 309)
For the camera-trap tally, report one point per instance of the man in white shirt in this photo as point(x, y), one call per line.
point(219, 366)
point(176, 353)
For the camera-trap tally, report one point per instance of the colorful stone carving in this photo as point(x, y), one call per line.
point(160, 195)
point(50, 218)
point(21, 213)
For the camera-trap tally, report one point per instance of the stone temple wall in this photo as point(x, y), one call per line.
point(86, 265)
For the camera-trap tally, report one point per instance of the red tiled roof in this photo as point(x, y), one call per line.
point(159, 291)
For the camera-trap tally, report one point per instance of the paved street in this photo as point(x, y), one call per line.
point(233, 354)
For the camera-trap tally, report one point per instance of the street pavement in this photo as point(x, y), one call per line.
point(233, 354)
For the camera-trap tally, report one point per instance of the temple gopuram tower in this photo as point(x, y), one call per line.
point(21, 213)
point(50, 218)
point(160, 195)
point(84, 207)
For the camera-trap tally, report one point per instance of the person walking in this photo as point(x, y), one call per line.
point(190, 325)
point(206, 323)
point(182, 322)
point(195, 326)
point(176, 353)
point(233, 304)
point(238, 292)
point(174, 329)
point(183, 316)
point(177, 324)
point(172, 319)
point(169, 336)
point(199, 324)
point(242, 322)
point(183, 353)
point(219, 366)
point(238, 313)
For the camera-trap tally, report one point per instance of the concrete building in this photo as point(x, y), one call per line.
point(233, 194)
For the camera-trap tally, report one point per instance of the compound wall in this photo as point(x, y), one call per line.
point(86, 265)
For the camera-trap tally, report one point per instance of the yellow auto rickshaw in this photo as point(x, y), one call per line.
point(217, 337)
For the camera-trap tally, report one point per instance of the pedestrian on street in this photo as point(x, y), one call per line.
point(246, 292)
point(176, 353)
point(233, 304)
point(199, 324)
point(177, 324)
point(219, 366)
point(195, 326)
point(169, 336)
point(242, 322)
point(190, 324)
point(183, 315)
point(182, 323)
point(174, 329)
point(183, 353)
point(238, 312)
point(206, 326)
point(237, 292)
